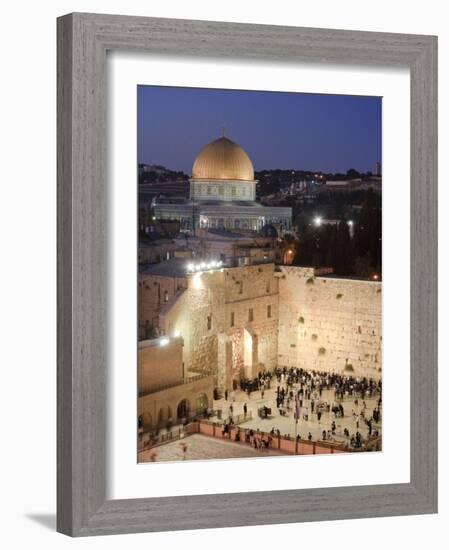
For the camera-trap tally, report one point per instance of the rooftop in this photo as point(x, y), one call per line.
point(176, 267)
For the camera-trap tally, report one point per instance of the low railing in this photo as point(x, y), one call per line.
point(281, 443)
point(148, 440)
point(236, 418)
point(182, 427)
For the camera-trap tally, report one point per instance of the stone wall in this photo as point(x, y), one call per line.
point(226, 302)
point(160, 363)
point(329, 324)
point(155, 291)
point(289, 316)
point(157, 408)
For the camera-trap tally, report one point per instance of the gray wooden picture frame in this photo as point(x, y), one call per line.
point(83, 41)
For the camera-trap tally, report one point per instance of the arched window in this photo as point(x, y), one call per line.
point(183, 409)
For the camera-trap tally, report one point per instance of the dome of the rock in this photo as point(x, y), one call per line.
point(223, 159)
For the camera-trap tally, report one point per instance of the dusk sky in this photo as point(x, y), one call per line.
point(278, 130)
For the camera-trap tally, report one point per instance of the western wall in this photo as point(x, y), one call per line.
point(235, 322)
point(219, 313)
point(330, 324)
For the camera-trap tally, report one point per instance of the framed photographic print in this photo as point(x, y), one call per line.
point(247, 274)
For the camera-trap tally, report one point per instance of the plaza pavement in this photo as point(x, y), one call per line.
point(201, 447)
point(286, 424)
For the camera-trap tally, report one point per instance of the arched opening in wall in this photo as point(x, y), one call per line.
point(183, 409)
point(145, 421)
point(164, 415)
point(201, 402)
point(247, 353)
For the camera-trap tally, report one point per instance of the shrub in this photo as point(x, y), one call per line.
point(314, 336)
point(322, 351)
point(310, 281)
point(339, 296)
point(301, 320)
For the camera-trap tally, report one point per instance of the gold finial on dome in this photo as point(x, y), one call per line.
point(222, 159)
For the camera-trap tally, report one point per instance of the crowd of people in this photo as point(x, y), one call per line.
point(300, 392)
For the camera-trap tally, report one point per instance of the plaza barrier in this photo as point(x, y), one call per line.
point(284, 444)
point(147, 440)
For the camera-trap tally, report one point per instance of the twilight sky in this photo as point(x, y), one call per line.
point(278, 130)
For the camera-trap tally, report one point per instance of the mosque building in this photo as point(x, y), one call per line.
point(223, 194)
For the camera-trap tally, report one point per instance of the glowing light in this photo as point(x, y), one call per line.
point(375, 276)
point(289, 251)
point(164, 341)
point(350, 223)
point(203, 266)
point(318, 221)
point(196, 281)
point(176, 334)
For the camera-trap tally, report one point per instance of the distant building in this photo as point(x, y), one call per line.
point(158, 250)
point(160, 283)
point(222, 194)
point(230, 247)
point(338, 183)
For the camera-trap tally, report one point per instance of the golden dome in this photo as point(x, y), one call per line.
point(223, 159)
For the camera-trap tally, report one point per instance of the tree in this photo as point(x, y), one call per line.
point(331, 256)
point(352, 174)
point(343, 250)
point(362, 266)
point(368, 231)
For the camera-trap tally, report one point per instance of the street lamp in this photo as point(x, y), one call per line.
point(318, 221)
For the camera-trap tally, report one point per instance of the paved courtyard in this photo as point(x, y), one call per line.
point(201, 447)
point(286, 424)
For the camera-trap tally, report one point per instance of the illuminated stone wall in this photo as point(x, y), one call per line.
point(328, 323)
point(292, 318)
point(225, 303)
point(160, 363)
point(155, 409)
point(154, 291)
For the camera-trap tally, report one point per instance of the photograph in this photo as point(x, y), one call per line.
point(259, 274)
